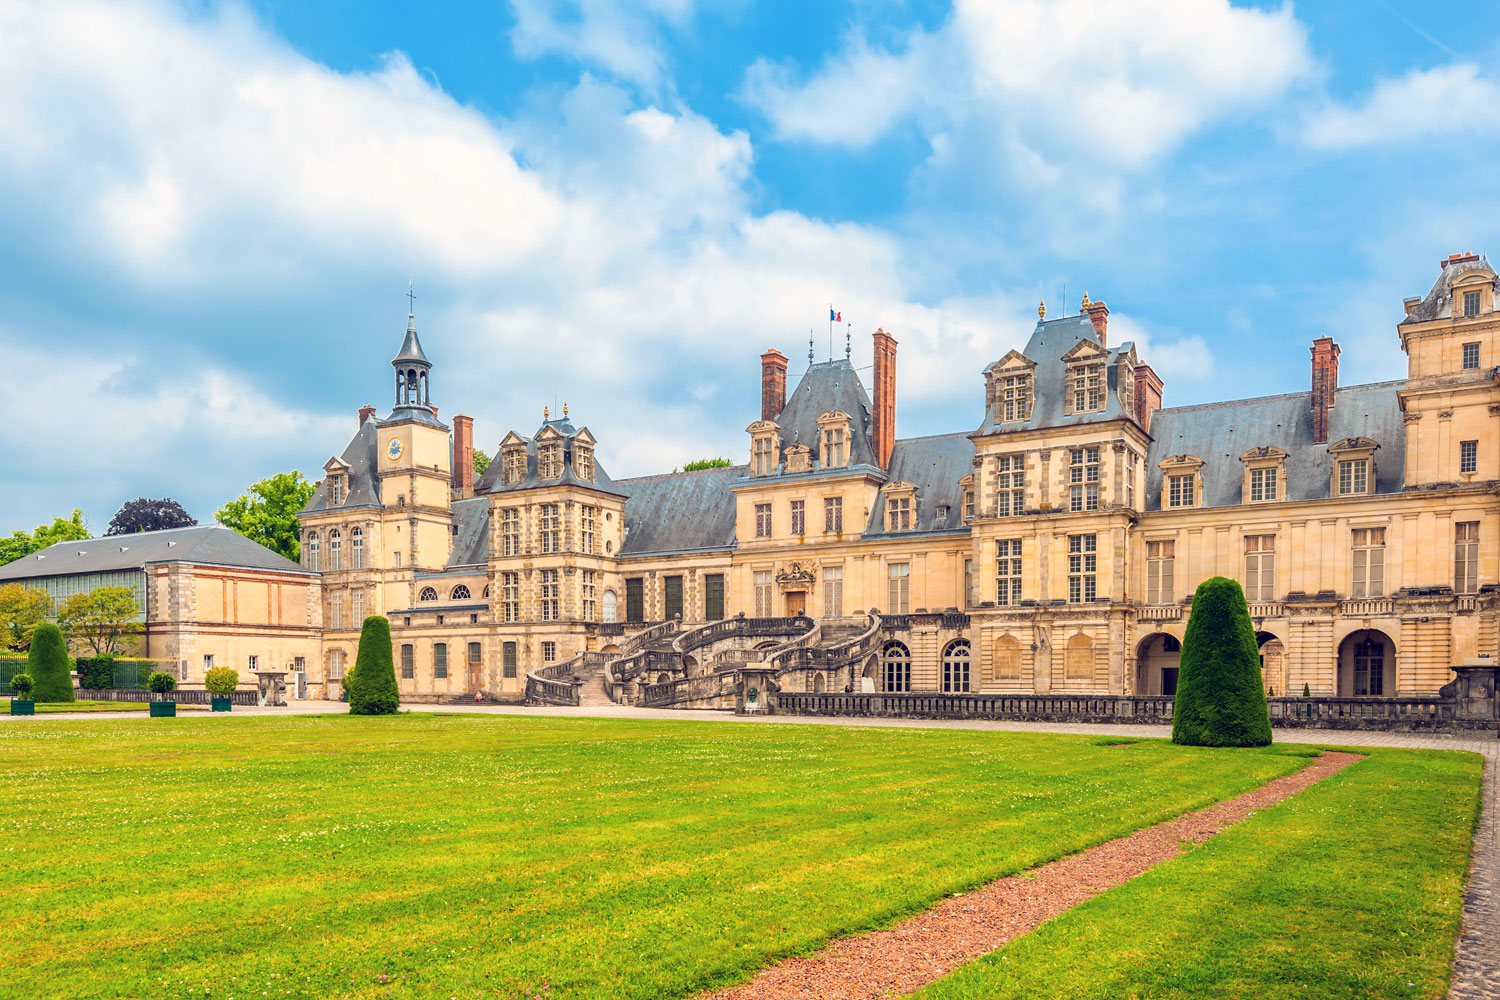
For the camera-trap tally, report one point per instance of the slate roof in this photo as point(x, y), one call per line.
point(210, 544)
point(1051, 340)
point(471, 542)
point(411, 346)
point(1219, 433)
point(680, 511)
point(490, 481)
point(364, 488)
point(825, 386)
point(934, 465)
point(1438, 302)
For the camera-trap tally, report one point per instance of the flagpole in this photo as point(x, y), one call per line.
point(830, 331)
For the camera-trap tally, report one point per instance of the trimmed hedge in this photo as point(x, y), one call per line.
point(221, 681)
point(49, 666)
point(96, 673)
point(372, 682)
point(1220, 699)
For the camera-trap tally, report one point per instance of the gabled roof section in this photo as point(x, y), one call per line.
point(550, 431)
point(1013, 359)
point(1053, 343)
point(471, 542)
point(1438, 302)
point(360, 459)
point(1220, 433)
point(208, 544)
point(680, 511)
point(825, 387)
point(934, 465)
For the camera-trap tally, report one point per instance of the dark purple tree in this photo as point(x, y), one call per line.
point(145, 514)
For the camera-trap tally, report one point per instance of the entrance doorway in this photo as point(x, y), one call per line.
point(1169, 680)
point(796, 603)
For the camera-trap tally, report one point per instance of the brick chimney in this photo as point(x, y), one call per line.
point(463, 455)
point(885, 397)
point(1099, 316)
point(365, 413)
point(1468, 256)
point(1148, 387)
point(772, 384)
point(1325, 381)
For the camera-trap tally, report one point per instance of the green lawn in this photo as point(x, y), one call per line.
point(449, 856)
point(80, 706)
point(1350, 889)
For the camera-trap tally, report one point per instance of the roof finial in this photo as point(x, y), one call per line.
point(848, 341)
point(546, 414)
point(1084, 307)
point(1041, 309)
point(809, 347)
point(411, 302)
point(565, 409)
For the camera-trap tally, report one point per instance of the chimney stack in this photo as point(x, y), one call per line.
point(1099, 316)
point(1325, 382)
point(463, 455)
point(772, 384)
point(885, 397)
point(1148, 387)
point(365, 413)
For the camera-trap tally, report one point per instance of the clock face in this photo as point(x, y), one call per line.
point(393, 449)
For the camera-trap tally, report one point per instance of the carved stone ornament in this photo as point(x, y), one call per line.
point(795, 577)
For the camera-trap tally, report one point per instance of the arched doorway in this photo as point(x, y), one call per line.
point(1272, 662)
point(690, 666)
point(819, 685)
point(611, 606)
point(895, 658)
point(1367, 665)
point(611, 648)
point(663, 678)
point(956, 667)
point(1156, 664)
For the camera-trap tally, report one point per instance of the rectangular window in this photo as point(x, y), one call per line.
point(1083, 567)
point(254, 661)
point(208, 662)
point(1262, 484)
point(635, 600)
point(1260, 568)
point(336, 611)
point(550, 596)
point(1086, 388)
point(476, 654)
point(549, 652)
point(510, 597)
point(1369, 669)
point(1468, 456)
point(1368, 571)
point(1353, 476)
point(299, 664)
point(440, 660)
point(713, 597)
point(1160, 570)
point(1471, 303)
point(899, 588)
point(1011, 481)
point(763, 464)
point(898, 514)
point(1180, 491)
point(1471, 356)
point(1014, 402)
point(357, 550)
point(833, 513)
point(590, 589)
point(672, 587)
point(397, 556)
point(408, 661)
point(1083, 477)
point(550, 524)
point(1008, 571)
point(588, 527)
point(1466, 557)
point(510, 531)
point(833, 591)
point(799, 517)
point(968, 505)
point(968, 583)
point(763, 594)
point(835, 448)
point(762, 520)
point(359, 605)
point(508, 659)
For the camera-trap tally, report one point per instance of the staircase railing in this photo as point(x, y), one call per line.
point(635, 656)
point(793, 650)
point(705, 687)
point(556, 683)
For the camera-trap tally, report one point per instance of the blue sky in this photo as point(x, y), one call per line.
point(212, 210)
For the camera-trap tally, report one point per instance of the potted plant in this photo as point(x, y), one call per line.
point(159, 684)
point(221, 682)
point(21, 686)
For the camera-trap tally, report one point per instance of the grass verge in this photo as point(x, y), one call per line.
point(80, 706)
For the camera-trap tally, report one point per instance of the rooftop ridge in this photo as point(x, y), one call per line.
point(1222, 403)
point(675, 475)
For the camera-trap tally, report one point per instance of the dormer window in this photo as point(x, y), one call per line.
point(1086, 387)
point(765, 448)
point(1265, 475)
point(583, 463)
point(1471, 303)
point(833, 430)
point(966, 486)
point(1011, 387)
point(1353, 472)
point(337, 490)
point(1182, 482)
point(549, 462)
point(1354, 476)
point(900, 506)
point(1125, 377)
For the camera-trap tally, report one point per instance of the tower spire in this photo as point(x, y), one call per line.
point(411, 364)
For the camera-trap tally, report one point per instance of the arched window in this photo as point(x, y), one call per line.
point(310, 557)
point(1078, 659)
point(897, 660)
point(460, 593)
point(956, 667)
point(1007, 663)
point(611, 607)
point(427, 594)
point(357, 549)
point(486, 592)
point(335, 550)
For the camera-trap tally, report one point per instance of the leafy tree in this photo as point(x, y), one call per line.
point(22, 609)
point(48, 665)
point(372, 684)
point(267, 512)
point(146, 514)
point(705, 463)
point(101, 617)
point(221, 681)
point(21, 543)
point(481, 463)
point(1220, 698)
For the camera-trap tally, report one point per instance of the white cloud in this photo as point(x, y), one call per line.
point(619, 36)
point(1447, 100)
point(1106, 82)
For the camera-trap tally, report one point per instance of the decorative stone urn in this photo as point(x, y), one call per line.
point(272, 687)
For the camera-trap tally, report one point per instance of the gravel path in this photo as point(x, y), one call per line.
point(926, 947)
point(1476, 952)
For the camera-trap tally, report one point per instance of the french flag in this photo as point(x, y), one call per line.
point(834, 317)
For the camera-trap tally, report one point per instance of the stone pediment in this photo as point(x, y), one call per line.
point(1354, 444)
point(1013, 360)
point(548, 434)
point(796, 577)
point(1266, 452)
point(336, 466)
point(762, 427)
point(584, 437)
point(1085, 350)
point(512, 440)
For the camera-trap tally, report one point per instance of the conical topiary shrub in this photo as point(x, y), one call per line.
point(372, 687)
point(1220, 699)
point(49, 666)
